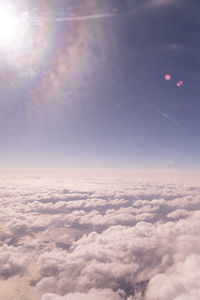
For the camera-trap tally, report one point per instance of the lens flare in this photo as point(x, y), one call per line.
point(167, 77)
point(11, 26)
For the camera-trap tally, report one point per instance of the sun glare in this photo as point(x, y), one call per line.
point(10, 26)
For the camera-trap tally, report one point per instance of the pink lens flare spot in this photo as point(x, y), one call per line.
point(179, 83)
point(167, 77)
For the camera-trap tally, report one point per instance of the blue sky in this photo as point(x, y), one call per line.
point(85, 86)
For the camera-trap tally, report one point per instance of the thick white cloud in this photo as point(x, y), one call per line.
point(12, 261)
point(90, 295)
point(96, 237)
point(179, 282)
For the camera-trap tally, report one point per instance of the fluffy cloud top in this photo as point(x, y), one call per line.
point(99, 238)
point(92, 294)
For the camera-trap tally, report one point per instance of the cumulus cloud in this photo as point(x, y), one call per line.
point(12, 261)
point(92, 294)
point(100, 237)
point(120, 257)
point(180, 282)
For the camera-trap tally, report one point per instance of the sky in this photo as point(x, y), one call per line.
point(99, 150)
point(83, 85)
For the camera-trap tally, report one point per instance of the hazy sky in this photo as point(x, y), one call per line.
point(83, 85)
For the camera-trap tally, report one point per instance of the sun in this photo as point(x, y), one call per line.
point(10, 26)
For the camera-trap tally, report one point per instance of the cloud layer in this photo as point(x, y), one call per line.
point(103, 237)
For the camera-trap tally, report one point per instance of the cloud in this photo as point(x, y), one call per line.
point(12, 261)
point(92, 294)
point(100, 237)
point(180, 282)
point(120, 257)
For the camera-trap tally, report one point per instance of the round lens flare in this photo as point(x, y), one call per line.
point(11, 27)
point(167, 77)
